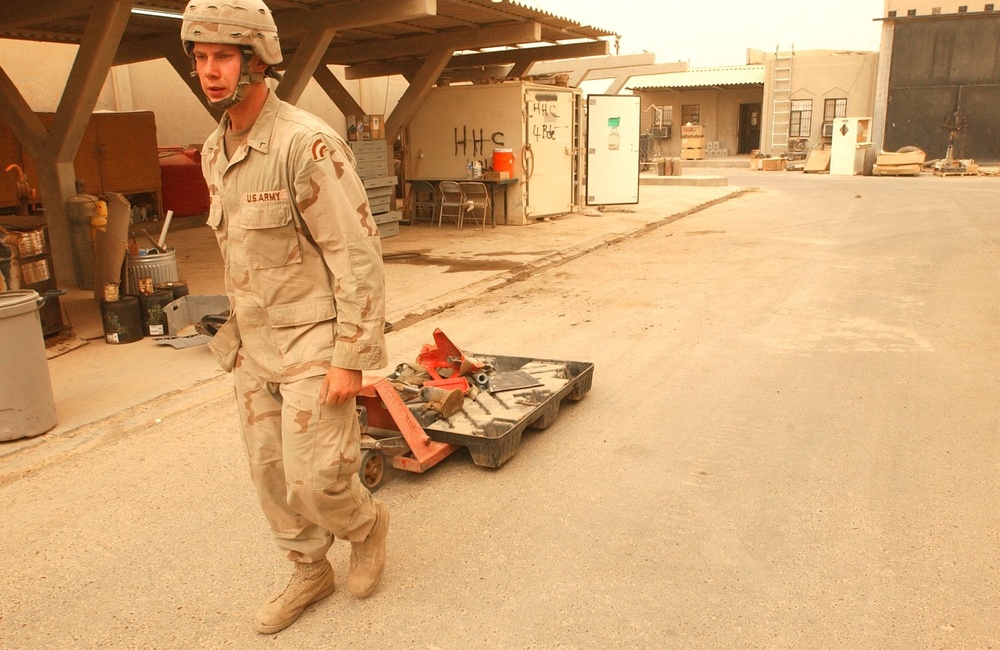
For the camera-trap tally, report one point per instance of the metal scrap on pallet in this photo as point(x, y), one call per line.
point(425, 411)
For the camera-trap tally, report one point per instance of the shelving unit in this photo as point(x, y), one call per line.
point(373, 168)
point(26, 263)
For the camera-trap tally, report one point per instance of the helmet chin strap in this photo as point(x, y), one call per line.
point(246, 78)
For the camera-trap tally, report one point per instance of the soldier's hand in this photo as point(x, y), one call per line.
point(339, 386)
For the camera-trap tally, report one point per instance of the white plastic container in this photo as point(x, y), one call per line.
point(27, 406)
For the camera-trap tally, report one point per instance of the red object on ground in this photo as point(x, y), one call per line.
point(183, 185)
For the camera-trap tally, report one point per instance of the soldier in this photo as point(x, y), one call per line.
point(303, 265)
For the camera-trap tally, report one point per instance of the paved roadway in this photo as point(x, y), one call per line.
point(791, 442)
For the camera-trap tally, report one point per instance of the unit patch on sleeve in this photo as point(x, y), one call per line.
point(319, 149)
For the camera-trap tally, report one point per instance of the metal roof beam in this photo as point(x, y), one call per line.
point(418, 46)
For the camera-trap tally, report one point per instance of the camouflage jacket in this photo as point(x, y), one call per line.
point(303, 258)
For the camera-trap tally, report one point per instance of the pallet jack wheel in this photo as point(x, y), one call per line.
point(372, 469)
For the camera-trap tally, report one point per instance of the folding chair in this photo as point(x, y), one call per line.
point(451, 203)
point(477, 197)
point(423, 201)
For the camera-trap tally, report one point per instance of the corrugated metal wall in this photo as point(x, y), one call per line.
point(940, 65)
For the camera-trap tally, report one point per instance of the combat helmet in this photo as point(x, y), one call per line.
point(247, 24)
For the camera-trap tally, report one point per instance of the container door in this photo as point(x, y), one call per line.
point(548, 152)
point(612, 149)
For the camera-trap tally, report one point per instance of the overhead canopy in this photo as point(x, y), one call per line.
point(391, 36)
point(743, 75)
point(422, 40)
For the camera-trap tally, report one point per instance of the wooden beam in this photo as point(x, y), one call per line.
point(135, 51)
point(15, 14)
point(459, 75)
point(340, 17)
point(337, 92)
point(519, 69)
point(571, 65)
point(26, 126)
point(418, 46)
point(526, 55)
point(415, 94)
point(304, 62)
point(519, 55)
point(352, 15)
point(56, 177)
point(90, 69)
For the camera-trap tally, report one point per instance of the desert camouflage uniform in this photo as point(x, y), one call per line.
point(305, 281)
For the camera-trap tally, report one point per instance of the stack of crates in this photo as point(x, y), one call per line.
point(692, 141)
point(373, 168)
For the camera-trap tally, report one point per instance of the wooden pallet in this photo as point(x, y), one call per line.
point(939, 172)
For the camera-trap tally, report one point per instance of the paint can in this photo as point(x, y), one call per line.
point(121, 319)
point(503, 161)
point(178, 289)
point(152, 312)
point(111, 293)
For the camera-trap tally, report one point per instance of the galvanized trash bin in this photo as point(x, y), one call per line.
point(27, 406)
point(161, 267)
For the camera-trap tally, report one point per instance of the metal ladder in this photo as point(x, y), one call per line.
point(781, 100)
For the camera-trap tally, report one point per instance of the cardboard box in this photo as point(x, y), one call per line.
point(755, 164)
point(692, 154)
point(895, 158)
point(496, 176)
point(817, 161)
point(693, 143)
point(188, 310)
point(692, 130)
point(897, 170)
point(772, 164)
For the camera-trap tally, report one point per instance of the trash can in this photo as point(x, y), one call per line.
point(27, 406)
point(161, 267)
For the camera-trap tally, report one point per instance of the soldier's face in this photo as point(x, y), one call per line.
point(218, 68)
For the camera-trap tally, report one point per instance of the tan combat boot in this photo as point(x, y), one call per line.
point(309, 583)
point(368, 557)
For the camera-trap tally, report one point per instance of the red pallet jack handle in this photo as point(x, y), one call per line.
point(387, 411)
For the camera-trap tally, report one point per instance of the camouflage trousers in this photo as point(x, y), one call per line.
point(304, 460)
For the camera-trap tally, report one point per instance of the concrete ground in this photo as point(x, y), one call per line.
point(792, 443)
point(427, 269)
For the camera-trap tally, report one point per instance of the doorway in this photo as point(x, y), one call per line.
point(749, 133)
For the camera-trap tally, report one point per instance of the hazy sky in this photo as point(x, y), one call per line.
point(718, 32)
